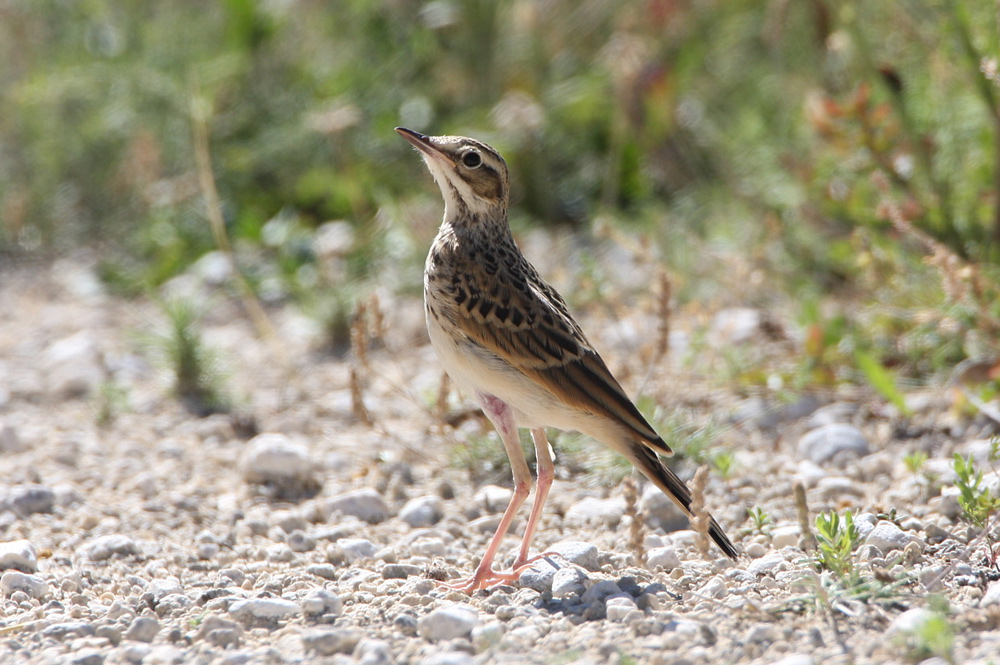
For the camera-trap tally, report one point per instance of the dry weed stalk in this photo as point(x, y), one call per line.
point(807, 541)
point(701, 519)
point(637, 528)
point(378, 320)
point(441, 403)
point(663, 313)
point(358, 407)
point(359, 334)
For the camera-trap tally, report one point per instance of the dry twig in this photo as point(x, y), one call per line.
point(637, 530)
point(701, 519)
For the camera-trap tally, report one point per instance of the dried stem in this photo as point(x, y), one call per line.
point(700, 519)
point(637, 528)
point(358, 407)
point(359, 334)
point(663, 312)
point(441, 404)
point(807, 541)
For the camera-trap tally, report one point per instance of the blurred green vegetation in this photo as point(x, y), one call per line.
point(834, 144)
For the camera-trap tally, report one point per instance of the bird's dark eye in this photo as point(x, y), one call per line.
point(472, 159)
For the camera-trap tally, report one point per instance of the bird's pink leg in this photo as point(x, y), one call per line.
point(546, 473)
point(502, 417)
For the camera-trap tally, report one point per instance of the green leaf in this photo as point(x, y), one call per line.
point(881, 379)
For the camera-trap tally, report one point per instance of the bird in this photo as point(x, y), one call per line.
point(508, 338)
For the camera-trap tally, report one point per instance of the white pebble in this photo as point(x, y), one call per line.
point(142, 629)
point(33, 585)
point(493, 498)
point(275, 458)
point(992, 595)
point(755, 550)
point(824, 443)
point(618, 607)
point(580, 553)
point(910, 620)
point(422, 511)
point(887, 537)
point(568, 582)
point(263, 608)
point(18, 555)
point(785, 536)
point(321, 601)
point(365, 504)
point(103, 548)
point(448, 623)
point(591, 510)
point(356, 549)
point(663, 557)
point(10, 442)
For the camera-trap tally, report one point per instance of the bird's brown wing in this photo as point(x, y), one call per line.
point(527, 324)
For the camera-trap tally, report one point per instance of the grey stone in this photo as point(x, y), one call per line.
point(327, 642)
point(619, 607)
point(448, 623)
point(486, 635)
point(263, 609)
point(762, 633)
point(578, 552)
point(10, 442)
point(828, 441)
point(591, 510)
point(449, 658)
point(18, 555)
point(400, 571)
point(663, 557)
point(373, 652)
point(321, 601)
point(33, 585)
point(538, 577)
point(992, 595)
point(68, 629)
point(887, 537)
point(142, 629)
point(355, 549)
point(493, 498)
point(600, 591)
point(73, 366)
point(569, 582)
point(29, 499)
point(87, 656)
point(275, 458)
point(422, 511)
point(103, 548)
point(365, 504)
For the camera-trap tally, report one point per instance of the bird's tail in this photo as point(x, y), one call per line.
point(661, 475)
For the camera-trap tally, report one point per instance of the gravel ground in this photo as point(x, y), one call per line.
point(160, 537)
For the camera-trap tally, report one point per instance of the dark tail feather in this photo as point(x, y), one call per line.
point(651, 466)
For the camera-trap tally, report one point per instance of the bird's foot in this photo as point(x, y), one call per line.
point(485, 578)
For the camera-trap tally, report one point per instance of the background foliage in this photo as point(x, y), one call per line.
point(831, 145)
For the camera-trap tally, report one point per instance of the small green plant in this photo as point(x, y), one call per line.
point(759, 518)
point(111, 400)
point(915, 461)
point(976, 501)
point(836, 538)
point(932, 637)
point(724, 462)
point(197, 381)
point(483, 455)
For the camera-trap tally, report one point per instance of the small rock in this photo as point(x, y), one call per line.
point(299, 541)
point(373, 652)
point(400, 571)
point(755, 550)
point(768, 564)
point(355, 549)
point(538, 577)
point(10, 442)
point(910, 620)
point(493, 498)
point(887, 537)
point(663, 557)
point(33, 585)
point(796, 659)
point(219, 631)
point(422, 511)
point(618, 607)
point(103, 548)
point(365, 504)
point(142, 629)
point(569, 582)
point(762, 633)
point(837, 412)
point(486, 635)
point(321, 601)
point(448, 623)
point(68, 629)
point(600, 591)
point(327, 642)
point(275, 458)
point(714, 588)
point(158, 589)
point(578, 552)
point(785, 536)
point(73, 366)
point(449, 658)
point(87, 656)
point(30, 499)
point(992, 595)
point(18, 555)
point(325, 570)
point(824, 443)
point(264, 609)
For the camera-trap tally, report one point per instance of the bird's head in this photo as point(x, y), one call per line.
point(472, 176)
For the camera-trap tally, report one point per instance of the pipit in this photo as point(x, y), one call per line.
point(506, 336)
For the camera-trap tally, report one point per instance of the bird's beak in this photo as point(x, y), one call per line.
point(425, 144)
